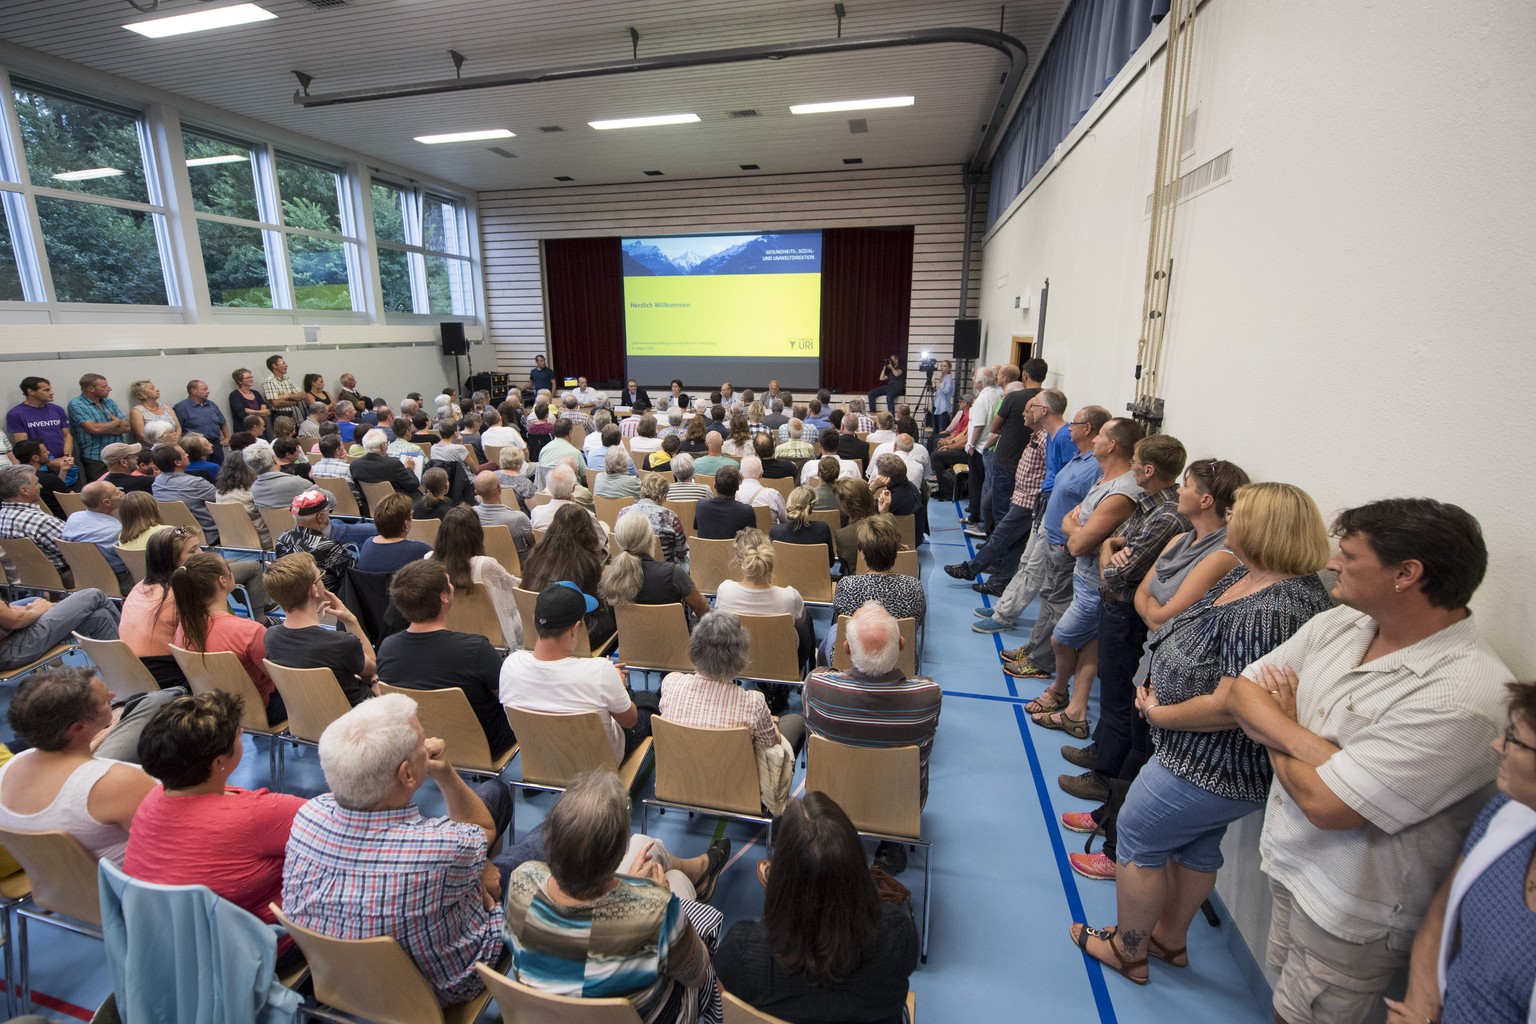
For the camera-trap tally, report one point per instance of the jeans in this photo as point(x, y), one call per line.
point(1003, 548)
point(1121, 636)
point(1079, 624)
point(976, 484)
point(1001, 486)
point(988, 520)
point(88, 612)
point(890, 389)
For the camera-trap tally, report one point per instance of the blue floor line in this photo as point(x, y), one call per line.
point(1095, 969)
point(986, 696)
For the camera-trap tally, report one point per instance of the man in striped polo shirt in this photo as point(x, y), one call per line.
point(1378, 716)
point(873, 704)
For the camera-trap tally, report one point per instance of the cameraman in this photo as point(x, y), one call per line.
point(893, 382)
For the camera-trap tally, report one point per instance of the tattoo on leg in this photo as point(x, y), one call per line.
point(1132, 941)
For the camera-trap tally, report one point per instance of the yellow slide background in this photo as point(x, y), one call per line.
point(731, 315)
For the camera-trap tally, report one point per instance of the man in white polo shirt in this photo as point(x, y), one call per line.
point(1378, 716)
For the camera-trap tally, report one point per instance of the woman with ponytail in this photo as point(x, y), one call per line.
point(201, 587)
point(633, 576)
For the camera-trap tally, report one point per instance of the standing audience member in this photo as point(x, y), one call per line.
point(147, 411)
point(36, 418)
point(198, 415)
point(284, 397)
point(246, 400)
point(300, 641)
point(96, 421)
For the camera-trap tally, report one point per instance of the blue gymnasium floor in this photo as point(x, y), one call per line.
point(1005, 896)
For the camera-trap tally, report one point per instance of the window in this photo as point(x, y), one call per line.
point(320, 265)
point(10, 273)
point(89, 180)
point(224, 175)
point(423, 252)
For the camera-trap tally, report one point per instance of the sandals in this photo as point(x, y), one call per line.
point(1166, 955)
point(1123, 966)
point(1046, 703)
point(718, 854)
point(1074, 727)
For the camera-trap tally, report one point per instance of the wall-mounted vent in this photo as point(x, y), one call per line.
point(741, 113)
point(652, 174)
point(564, 177)
point(327, 4)
point(1208, 175)
point(857, 125)
point(504, 154)
point(1191, 121)
point(750, 167)
point(853, 159)
point(550, 129)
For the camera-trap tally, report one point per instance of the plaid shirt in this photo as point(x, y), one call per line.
point(759, 428)
point(274, 386)
point(577, 417)
point(1151, 526)
point(795, 450)
point(331, 467)
point(333, 559)
point(865, 422)
point(83, 410)
point(357, 874)
point(704, 703)
point(19, 519)
point(666, 524)
point(1030, 475)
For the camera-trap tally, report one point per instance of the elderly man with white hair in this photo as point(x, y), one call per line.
point(427, 882)
point(272, 488)
point(561, 485)
point(752, 491)
point(617, 479)
point(873, 704)
point(376, 467)
point(919, 463)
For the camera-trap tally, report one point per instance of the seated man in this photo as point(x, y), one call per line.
point(122, 462)
point(720, 517)
point(752, 492)
point(272, 487)
point(561, 485)
point(905, 498)
point(774, 467)
point(311, 532)
point(98, 524)
point(376, 466)
point(174, 483)
point(872, 704)
point(548, 678)
point(427, 883)
point(50, 483)
point(196, 829)
point(428, 655)
point(22, 515)
point(827, 440)
point(295, 583)
point(489, 507)
point(711, 464)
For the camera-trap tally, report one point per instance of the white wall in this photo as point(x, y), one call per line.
point(1350, 312)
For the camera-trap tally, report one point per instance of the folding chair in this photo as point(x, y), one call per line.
point(375, 492)
point(831, 516)
point(178, 514)
point(136, 559)
point(34, 570)
point(879, 788)
point(118, 666)
point(804, 567)
point(70, 502)
point(555, 748)
point(527, 600)
point(685, 509)
point(313, 697)
point(89, 567)
point(340, 489)
point(653, 637)
point(907, 526)
point(221, 670)
point(63, 880)
point(706, 771)
point(500, 545)
point(608, 509)
point(518, 1002)
point(50, 656)
point(774, 655)
point(448, 715)
point(782, 484)
point(710, 563)
point(279, 521)
point(475, 613)
point(908, 661)
point(424, 530)
point(236, 531)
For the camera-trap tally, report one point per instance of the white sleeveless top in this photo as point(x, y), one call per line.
point(68, 812)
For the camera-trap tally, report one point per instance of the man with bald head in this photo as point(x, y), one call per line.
point(494, 515)
point(712, 463)
point(97, 524)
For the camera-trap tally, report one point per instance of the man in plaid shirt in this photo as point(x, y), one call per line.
point(362, 861)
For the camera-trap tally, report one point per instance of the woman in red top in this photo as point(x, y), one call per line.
point(201, 587)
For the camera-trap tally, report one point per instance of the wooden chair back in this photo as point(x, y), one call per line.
point(520, 1003)
point(313, 697)
point(118, 666)
point(879, 788)
point(448, 715)
point(62, 873)
point(654, 637)
point(500, 546)
point(526, 600)
point(375, 492)
point(764, 516)
point(555, 748)
point(578, 436)
point(236, 531)
point(907, 564)
point(707, 479)
point(782, 484)
point(492, 455)
point(907, 526)
point(221, 670)
point(907, 661)
point(426, 449)
point(711, 562)
point(804, 567)
point(713, 768)
point(775, 644)
point(279, 521)
point(608, 509)
point(178, 514)
point(33, 569)
point(369, 978)
point(340, 490)
point(739, 1011)
point(424, 530)
point(831, 516)
point(685, 510)
point(473, 612)
point(538, 498)
point(70, 502)
point(89, 567)
point(136, 559)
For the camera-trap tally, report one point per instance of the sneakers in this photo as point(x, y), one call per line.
point(990, 588)
point(961, 571)
point(990, 626)
point(1017, 654)
point(1087, 786)
point(1093, 865)
point(975, 532)
point(1023, 668)
point(1080, 821)
point(891, 857)
point(982, 612)
point(718, 854)
point(1083, 757)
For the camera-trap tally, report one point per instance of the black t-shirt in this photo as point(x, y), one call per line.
point(778, 469)
point(443, 659)
point(49, 484)
point(129, 483)
point(1015, 432)
point(662, 582)
point(318, 647)
point(720, 518)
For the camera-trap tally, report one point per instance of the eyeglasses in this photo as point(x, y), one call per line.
point(1511, 740)
point(180, 531)
point(1077, 423)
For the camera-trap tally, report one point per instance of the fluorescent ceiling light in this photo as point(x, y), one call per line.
point(829, 108)
point(485, 133)
point(231, 158)
point(94, 172)
point(200, 21)
point(644, 122)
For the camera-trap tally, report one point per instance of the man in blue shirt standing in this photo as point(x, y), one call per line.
point(201, 416)
point(541, 377)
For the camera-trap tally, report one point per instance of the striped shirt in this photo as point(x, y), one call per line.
point(357, 874)
point(703, 703)
point(1415, 727)
point(874, 711)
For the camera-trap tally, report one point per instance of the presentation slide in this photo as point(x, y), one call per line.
point(712, 308)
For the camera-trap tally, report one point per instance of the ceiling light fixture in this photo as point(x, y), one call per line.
point(475, 136)
point(837, 105)
point(228, 158)
point(644, 122)
point(87, 175)
point(200, 21)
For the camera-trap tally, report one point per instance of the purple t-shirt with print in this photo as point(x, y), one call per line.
point(45, 423)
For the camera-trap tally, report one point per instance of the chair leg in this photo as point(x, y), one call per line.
point(24, 966)
point(927, 896)
point(645, 818)
point(10, 961)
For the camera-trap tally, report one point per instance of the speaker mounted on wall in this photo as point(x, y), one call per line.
point(967, 338)
point(454, 343)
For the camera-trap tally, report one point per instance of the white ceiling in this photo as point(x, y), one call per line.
point(375, 43)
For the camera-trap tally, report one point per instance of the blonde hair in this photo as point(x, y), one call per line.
point(624, 575)
point(754, 553)
point(1279, 529)
point(136, 390)
point(798, 508)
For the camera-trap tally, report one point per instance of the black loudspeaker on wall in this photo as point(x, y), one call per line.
point(453, 339)
point(967, 339)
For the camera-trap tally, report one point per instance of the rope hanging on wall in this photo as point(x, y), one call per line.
point(1178, 61)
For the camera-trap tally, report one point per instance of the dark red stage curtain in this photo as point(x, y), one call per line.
point(866, 300)
point(584, 284)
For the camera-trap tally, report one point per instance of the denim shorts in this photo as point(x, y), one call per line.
point(1165, 817)
point(1079, 624)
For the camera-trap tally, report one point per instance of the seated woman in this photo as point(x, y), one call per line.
point(149, 621)
point(710, 698)
point(234, 486)
point(617, 480)
point(856, 502)
point(634, 577)
point(195, 828)
point(461, 548)
point(828, 471)
point(513, 475)
point(693, 436)
point(645, 440)
point(607, 914)
point(739, 444)
point(665, 523)
point(201, 589)
point(798, 526)
point(58, 784)
point(390, 548)
point(902, 596)
point(434, 502)
point(1481, 922)
point(1207, 773)
point(140, 517)
point(573, 549)
point(949, 448)
point(755, 593)
point(827, 949)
